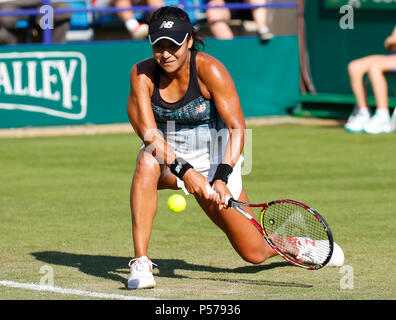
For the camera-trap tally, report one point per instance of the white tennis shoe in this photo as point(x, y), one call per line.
point(307, 251)
point(357, 121)
point(141, 273)
point(337, 258)
point(312, 251)
point(379, 123)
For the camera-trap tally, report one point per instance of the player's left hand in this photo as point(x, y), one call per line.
point(221, 188)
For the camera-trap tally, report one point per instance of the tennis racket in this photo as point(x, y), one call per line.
point(294, 230)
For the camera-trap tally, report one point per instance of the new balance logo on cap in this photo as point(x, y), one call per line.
point(166, 24)
point(168, 28)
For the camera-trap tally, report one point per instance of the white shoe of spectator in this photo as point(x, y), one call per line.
point(140, 32)
point(379, 123)
point(357, 121)
point(265, 34)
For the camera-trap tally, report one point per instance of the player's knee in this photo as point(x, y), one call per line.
point(255, 256)
point(146, 163)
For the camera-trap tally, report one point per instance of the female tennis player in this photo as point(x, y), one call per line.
point(184, 106)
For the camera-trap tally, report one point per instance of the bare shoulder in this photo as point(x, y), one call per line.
point(208, 65)
point(212, 73)
point(143, 72)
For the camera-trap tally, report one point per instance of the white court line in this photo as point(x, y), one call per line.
point(37, 287)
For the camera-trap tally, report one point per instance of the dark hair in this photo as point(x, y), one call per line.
point(177, 13)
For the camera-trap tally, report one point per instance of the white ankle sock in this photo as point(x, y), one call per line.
point(383, 112)
point(364, 111)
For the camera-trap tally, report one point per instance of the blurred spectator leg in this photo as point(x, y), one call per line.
point(61, 21)
point(357, 69)
point(137, 30)
point(378, 80)
point(260, 18)
point(8, 23)
point(381, 121)
point(218, 20)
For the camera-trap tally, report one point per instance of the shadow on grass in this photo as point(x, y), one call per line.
point(109, 267)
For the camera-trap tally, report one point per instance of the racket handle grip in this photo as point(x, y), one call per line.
point(211, 191)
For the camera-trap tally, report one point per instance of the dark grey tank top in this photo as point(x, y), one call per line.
point(192, 108)
point(191, 125)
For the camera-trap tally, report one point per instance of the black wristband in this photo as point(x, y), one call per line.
point(179, 167)
point(222, 173)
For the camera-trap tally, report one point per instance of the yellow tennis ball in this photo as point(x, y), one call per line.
point(176, 203)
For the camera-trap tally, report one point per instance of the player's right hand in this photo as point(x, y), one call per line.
point(196, 183)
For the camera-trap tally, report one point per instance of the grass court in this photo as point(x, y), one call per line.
point(64, 204)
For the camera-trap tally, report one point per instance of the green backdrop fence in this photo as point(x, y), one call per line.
point(89, 83)
point(331, 48)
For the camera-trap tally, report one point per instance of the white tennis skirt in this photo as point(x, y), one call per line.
point(203, 146)
point(208, 170)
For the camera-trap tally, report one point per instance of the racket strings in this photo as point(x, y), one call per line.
point(296, 232)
